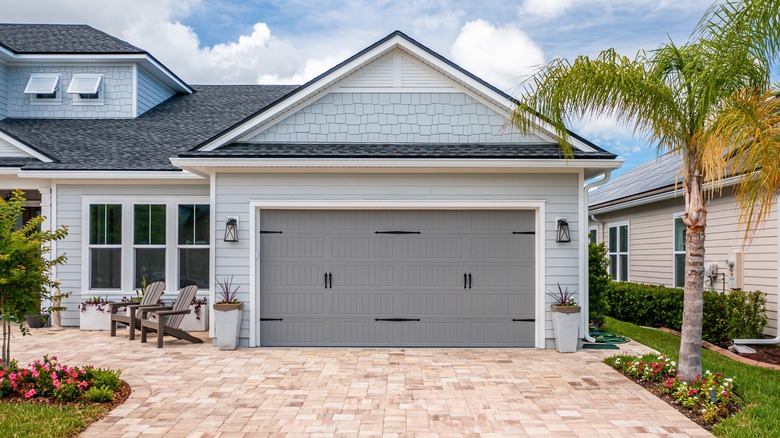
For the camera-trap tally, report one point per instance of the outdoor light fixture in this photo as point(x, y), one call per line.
point(563, 234)
point(231, 229)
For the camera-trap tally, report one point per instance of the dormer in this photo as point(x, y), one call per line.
point(76, 71)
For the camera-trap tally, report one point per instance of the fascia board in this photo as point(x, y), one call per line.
point(110, 175)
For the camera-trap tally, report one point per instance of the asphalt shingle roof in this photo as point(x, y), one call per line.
point(391, 150)
point(650, 177)
point(147, 142)
point(60, 38)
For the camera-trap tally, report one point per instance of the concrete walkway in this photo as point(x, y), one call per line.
point(197, 390)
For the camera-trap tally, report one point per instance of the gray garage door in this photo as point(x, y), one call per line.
point(396, 278)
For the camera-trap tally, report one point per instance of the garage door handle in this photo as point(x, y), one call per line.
point(326, 280)
point(396, 232)
point(465, 280)
point(330, 279)
point(271, 319)
point(398, 319)
point(469, 280)
point(524, 320)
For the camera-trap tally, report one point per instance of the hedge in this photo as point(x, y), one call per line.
point(735, 314)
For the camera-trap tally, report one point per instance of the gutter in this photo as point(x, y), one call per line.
point(585, 299)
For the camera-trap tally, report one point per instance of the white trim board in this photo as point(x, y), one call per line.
point(255, 206)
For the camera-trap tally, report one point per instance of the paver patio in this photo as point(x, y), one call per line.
point(196, 390)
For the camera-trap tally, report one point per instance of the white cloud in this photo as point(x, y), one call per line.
point(546, 8)
point(499, 55)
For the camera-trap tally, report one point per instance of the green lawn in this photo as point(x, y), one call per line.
point(30, 420)
point(760, 387)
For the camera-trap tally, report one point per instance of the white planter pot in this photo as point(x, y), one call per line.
point(191, 323)
point(227, 325)
point(91, 319)
point(566, 324)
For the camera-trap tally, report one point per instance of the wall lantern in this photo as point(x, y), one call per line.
point(231, 229)
point(563, 234)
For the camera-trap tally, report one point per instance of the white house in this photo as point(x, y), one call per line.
point(387, 202)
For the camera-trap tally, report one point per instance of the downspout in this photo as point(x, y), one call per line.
point(776, 339)
point(585, 298)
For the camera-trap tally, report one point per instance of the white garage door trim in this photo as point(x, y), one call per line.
point(538, 206)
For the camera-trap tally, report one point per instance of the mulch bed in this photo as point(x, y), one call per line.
point(119, 398)
point(764, 353)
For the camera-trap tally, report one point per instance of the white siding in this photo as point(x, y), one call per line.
point(396, 70)
point(235, 190)
point(9, 150)
point(69, 213)
point(150, 92)
point(651, 243)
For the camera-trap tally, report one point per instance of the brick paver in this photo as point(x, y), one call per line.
point(195, 390)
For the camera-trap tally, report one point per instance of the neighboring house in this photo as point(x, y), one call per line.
point(387, 202)
point(638, 216)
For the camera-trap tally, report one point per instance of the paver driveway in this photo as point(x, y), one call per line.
point(197, 390)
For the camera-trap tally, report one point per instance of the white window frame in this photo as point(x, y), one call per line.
point(91, 246)
point(192, 246)
point(150, 246)
point(675, 217)
point(56, 100)
point(75, 95)
point(618, 253)
point(128, 245)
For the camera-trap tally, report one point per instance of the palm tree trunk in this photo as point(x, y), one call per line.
point(695, 220)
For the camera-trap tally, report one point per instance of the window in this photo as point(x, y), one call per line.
point(149, 243)
point(105, 246)
point(593, 235)
point(43, 88)
point(679, 252)
point(193, 245)
point(618, 252)
point(86, 89)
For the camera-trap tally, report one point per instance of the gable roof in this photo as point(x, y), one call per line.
point(374, 51)
point(144, 143)
point(653, 177)
point(60, 38)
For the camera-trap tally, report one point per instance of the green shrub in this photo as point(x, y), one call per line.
point(598, 281)
point(102, 394)
point(735, 314)
point(100, 378)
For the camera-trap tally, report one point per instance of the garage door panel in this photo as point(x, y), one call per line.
point(434, 276)
point(291, 275)
point(292, 247)
point(367, 247)
point(363, 276)
point(366, 333)
point(426, 221)
point(293, 303)
point(293, 220)
point(421, 304)
point(500, 248)
point(499, 333)
point(502, 221)
point(512, 305)
point(432, 333)
point(293, 333)
point(357, 221)
point(367, 303)
point(419, 247)
point(501, 276)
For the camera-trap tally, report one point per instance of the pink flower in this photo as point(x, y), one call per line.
point(29, 393)
point(56, 383)
point(83, 384)
point(54, 376)
point(36, 374)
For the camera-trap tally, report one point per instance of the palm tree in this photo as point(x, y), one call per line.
point(705, 100)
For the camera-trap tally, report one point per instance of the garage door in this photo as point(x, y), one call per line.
point(396, 278)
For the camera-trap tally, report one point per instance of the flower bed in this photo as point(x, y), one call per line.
point(48, 379)
point(706, 400)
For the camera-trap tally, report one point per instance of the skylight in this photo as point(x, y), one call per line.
point(42, 84)
point(85, 84)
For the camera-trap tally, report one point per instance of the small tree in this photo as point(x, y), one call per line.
point(25, 279)
point(598, 280)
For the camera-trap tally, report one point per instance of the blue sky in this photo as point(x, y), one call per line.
point(262, 41)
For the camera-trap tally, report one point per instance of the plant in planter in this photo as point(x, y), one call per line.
point(227, 315)
point(95, 314)
point(566, 319)
point(198, 319)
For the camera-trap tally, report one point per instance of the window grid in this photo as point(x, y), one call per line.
point(679, 252)
point(617, 251)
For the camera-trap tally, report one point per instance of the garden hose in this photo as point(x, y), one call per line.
point(608, 338)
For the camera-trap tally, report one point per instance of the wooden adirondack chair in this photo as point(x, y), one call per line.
point(133, 318)
point(169, 318)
